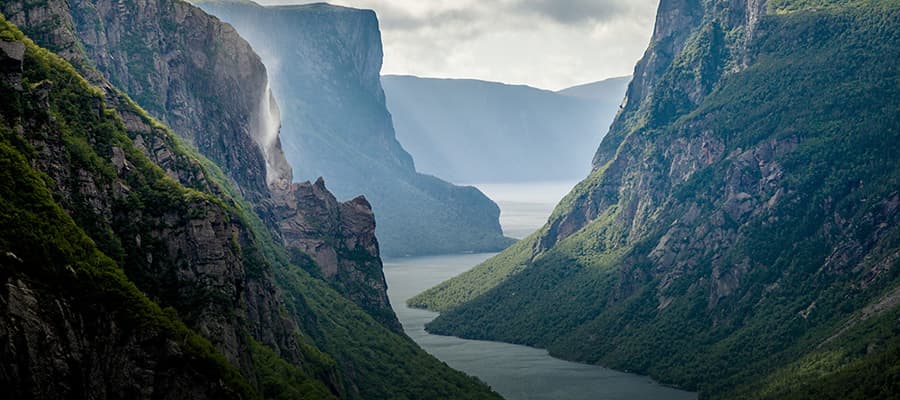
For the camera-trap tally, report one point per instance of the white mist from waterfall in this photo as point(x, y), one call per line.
point(278, 171)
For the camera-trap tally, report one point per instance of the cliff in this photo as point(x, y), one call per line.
point(738, 234)
point(339, 239)
point(325, 63)
point(77, 324)
point(480, 132)
point(147, 48)
point(217, 99)
point(136, 268)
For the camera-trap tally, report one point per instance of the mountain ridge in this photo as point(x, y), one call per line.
point(739, 224)
point(478, 131)
point(590, 90)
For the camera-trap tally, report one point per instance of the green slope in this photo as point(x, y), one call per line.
point(345, 352)
point(44, 248)
point(741, 222)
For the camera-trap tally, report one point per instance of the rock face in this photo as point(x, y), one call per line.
point(12, 54)
point(77, 352)
point(217, 99)
point(74, 326)
point(325, 63)
point(145, 49)
point(340, 238)
point(741, 208)
point(107, 219)
point(467, 130)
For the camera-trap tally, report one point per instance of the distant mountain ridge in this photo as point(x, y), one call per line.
point(599, 90)
point(468, 130)
point(324, 64)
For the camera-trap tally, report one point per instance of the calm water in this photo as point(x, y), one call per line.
point(516, 372)
point(524, 207)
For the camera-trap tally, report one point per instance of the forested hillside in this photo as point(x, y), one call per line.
point(133, 267)
point(740, 231)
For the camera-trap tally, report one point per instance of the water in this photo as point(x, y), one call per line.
point(278, 172)
point(524, 207)
point(516, 372)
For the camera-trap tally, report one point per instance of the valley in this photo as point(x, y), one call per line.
point(516, 372)
point(405, 200)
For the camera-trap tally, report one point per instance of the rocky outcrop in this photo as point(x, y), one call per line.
point(340, 239)
point(11, 56)
point(324, 62)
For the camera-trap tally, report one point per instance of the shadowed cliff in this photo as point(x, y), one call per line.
point(324, 63)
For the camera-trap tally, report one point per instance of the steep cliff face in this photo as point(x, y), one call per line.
point(204, 80)
point(325, 63)
point(146, 48)
point(340, 239)
point(741, 217)
point(178, 234)
point(74, 325)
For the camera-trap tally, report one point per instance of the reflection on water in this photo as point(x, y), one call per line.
point(516, 372)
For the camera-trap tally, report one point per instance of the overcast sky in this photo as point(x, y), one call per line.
point(550, 44)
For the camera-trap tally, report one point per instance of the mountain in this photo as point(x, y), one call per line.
point(475, 131)
point(609, 91)
point(157, 63)
point(133, 266)
point(325, 63)
point(740, 231)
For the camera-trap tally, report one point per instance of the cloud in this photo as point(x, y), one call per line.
point(395, 17)
point(574, 11)
point(544, 43)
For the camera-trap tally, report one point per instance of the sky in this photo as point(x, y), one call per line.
point(549, 44)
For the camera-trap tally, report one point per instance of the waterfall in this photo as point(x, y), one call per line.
point(278, 172)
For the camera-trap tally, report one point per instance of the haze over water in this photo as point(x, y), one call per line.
point(516, 372)
point(525, 207)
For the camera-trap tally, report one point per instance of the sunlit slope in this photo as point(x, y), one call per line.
point(739, 234)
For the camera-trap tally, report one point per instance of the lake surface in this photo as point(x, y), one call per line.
point(516, 372)
point(525, 207)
